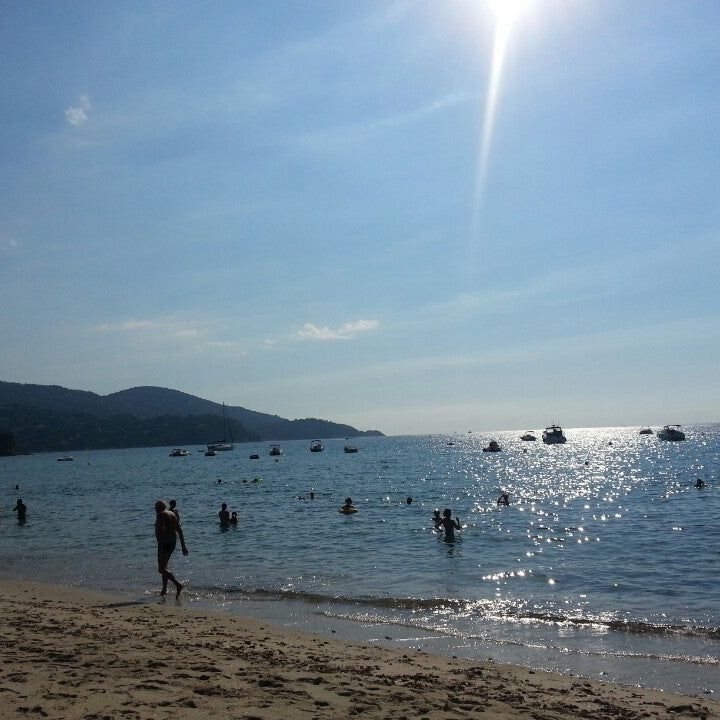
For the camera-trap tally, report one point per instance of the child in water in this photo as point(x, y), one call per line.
point(449, 524)
point(348, 507)
point(437, 520)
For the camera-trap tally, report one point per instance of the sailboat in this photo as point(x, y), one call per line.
point(223, 444)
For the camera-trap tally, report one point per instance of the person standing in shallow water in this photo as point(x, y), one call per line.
point(167, 530)
point(21, 510)
point(449, 524)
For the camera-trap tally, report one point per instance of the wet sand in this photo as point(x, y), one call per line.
point(66, 653)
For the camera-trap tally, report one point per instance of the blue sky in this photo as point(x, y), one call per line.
point(280, 205)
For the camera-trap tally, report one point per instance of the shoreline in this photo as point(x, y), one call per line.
point(72, 653)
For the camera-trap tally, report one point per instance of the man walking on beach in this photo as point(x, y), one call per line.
point(167, 527)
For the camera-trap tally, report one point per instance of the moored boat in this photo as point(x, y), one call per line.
point(179, 452)
point(350, 449)
point(645, 431)
point(227, 442)
point(553, 435)
point(316, 446)
point(66, 458)
point(493, 446)
point(275, 450)
point(671, 433)
point(528, 436)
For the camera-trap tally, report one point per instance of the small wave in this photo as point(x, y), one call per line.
point(320, 598)
point(481, 609)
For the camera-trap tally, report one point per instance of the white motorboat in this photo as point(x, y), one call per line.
point(553, 435)
point(671, 433)
point(179, 452)
point(350, 449)
point(316, 446)
point(275, 450)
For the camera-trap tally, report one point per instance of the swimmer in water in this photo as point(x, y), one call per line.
point(233, 518)
point(437, 519)
point(224, 516)
point(504, 499)
point(21, 510)
point(700, 484)
point(449, 524)
point(348, 507)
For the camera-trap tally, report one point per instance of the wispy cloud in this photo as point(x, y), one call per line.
point(8, 244)
point(173, 328)
point(77, 115)
point(337, 136)
point(347, 331)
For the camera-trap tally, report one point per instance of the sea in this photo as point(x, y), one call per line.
point(606, 563)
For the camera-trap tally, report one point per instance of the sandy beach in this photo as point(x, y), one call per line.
point(70, 654)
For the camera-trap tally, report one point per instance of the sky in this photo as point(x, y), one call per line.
point(410, 216)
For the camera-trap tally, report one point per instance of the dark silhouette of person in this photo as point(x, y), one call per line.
point(167, 529)
point(21, 510)
point(449, 524)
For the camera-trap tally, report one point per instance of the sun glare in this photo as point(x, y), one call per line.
point(506, 14)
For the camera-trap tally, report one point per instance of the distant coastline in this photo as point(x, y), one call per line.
point(51, 418)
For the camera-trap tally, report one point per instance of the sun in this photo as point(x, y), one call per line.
point(507, 12)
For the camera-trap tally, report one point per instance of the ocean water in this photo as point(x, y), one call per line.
point(606, 563)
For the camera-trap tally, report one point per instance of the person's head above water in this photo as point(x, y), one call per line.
point(447, 512)
point(436, 513)
point(224, 506)
point(348, 501)
point(173, 503)
point(159, 506)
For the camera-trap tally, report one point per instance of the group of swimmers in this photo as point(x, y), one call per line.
point(446, 522)
point(226, 517)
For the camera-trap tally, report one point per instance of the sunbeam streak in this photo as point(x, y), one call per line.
point(506, 13)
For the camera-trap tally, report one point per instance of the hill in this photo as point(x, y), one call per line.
point(50, 417)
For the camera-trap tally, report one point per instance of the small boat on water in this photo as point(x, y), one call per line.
point(210, 452)
point(493, 446)
point(66, 458)
point(645, 431)
point(316, 446)
point(671, 433)
point(553, 435)
point(179, 452)
point(350, 449)
point(528, 436)
point(275, 450)
point(254, 456)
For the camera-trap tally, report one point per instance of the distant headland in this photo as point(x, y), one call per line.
point(37, 418)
